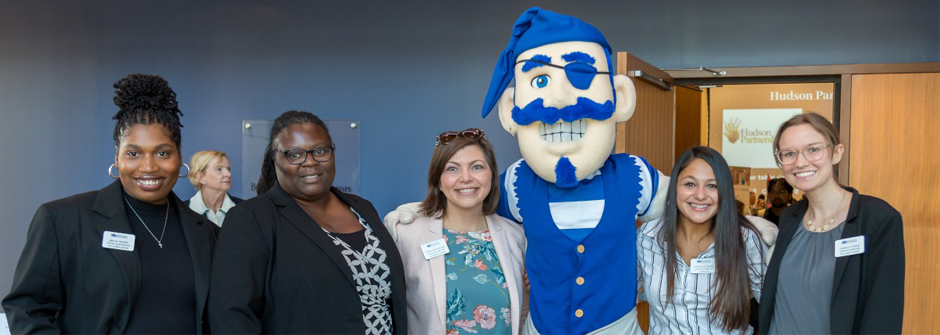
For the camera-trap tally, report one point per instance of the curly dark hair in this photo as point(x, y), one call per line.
point(268, 170)
point(145, 99)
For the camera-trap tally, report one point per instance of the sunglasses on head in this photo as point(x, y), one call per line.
point(469, 133)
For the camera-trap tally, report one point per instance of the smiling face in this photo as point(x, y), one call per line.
point(697, 193)
point(779, 196)
point(565, 112)
point(466, 180)
point(148, 162)
point(310, 180)
point(804, 174)
point(217, 175)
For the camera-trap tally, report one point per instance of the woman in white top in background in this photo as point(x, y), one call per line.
point(212, 178)
point(702, 262)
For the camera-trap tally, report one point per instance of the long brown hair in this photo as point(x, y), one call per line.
point(436, 203)
point(730, 306)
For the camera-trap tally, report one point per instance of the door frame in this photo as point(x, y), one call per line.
point(840, 75)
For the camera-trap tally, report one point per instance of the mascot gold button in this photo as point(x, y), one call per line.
point(580, 280)
point(579, 313)
point(580, 249)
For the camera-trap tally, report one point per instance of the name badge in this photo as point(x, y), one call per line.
point(434, 249)
point(850, 246)
point(703, 265)
point(118, 241)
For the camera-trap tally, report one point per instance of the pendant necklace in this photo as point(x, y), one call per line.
point(159, 240)
point(831, 220)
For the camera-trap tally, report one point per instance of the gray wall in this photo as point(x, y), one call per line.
point(408, 70)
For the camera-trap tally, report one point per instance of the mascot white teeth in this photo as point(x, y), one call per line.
point(578, 203)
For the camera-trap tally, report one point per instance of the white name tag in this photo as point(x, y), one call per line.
point(434, 249)
point(118, 241)
point(703, 265)
point(850, 246)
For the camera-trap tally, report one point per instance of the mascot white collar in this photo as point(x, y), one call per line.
point(566, 101)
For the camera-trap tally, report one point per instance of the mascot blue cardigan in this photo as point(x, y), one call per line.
point(578, 203)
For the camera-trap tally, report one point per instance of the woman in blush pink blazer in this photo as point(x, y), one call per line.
point(463, 263)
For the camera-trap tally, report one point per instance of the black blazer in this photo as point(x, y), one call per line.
point(66, 282)
point(867, 289)
point(277, 272)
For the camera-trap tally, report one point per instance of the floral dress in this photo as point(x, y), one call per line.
point(477, 292)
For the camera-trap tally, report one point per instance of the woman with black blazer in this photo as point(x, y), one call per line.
point(303, 257)
point(838, 267)
point(130, 258)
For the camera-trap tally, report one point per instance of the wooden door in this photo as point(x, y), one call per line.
point(895, 128)
point(651, 131)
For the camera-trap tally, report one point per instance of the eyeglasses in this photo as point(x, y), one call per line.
point(580, 74)
point(299, 156)
point(469, 133)
point(812, 153)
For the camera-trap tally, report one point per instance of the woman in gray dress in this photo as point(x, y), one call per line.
point(838, 267)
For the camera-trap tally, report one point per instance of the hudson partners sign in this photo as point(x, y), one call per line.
point(748, 135)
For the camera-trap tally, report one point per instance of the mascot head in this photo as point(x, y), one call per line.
point(566, 101)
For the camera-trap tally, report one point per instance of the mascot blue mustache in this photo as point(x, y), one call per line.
point(578, 203)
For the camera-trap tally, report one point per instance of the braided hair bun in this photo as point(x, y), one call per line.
point(145, 99)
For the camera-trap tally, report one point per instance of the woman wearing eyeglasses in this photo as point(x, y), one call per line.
point(130, 258)
point(838, 267)
point(463, 263)
point(303, 257)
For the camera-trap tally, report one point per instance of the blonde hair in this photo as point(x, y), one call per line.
point(199, 162)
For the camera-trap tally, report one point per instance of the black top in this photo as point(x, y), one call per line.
point(770, 216)
point(867, 288)
point(355, 240)
point(166, 302)
point(67, 282)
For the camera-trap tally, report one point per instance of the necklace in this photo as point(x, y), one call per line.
point(338, 241)
point(159, 240)
point(831, 220)
point(447, 222)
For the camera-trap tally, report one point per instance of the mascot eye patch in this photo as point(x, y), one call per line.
point(580, 74)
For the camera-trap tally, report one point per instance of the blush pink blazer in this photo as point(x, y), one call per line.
point(425, 280)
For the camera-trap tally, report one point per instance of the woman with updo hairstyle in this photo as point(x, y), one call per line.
point(303, 257)
point(130, 258)
point(211, 176)
point(838, 267)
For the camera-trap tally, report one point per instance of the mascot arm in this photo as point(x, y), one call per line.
point(768, 233)
point(404, 214)
point(658, 205)
point(504, 208)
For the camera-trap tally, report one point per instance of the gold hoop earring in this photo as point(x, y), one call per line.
point(187, 171)
point(111, 175)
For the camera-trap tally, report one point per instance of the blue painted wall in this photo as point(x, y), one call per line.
point(408, 70)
